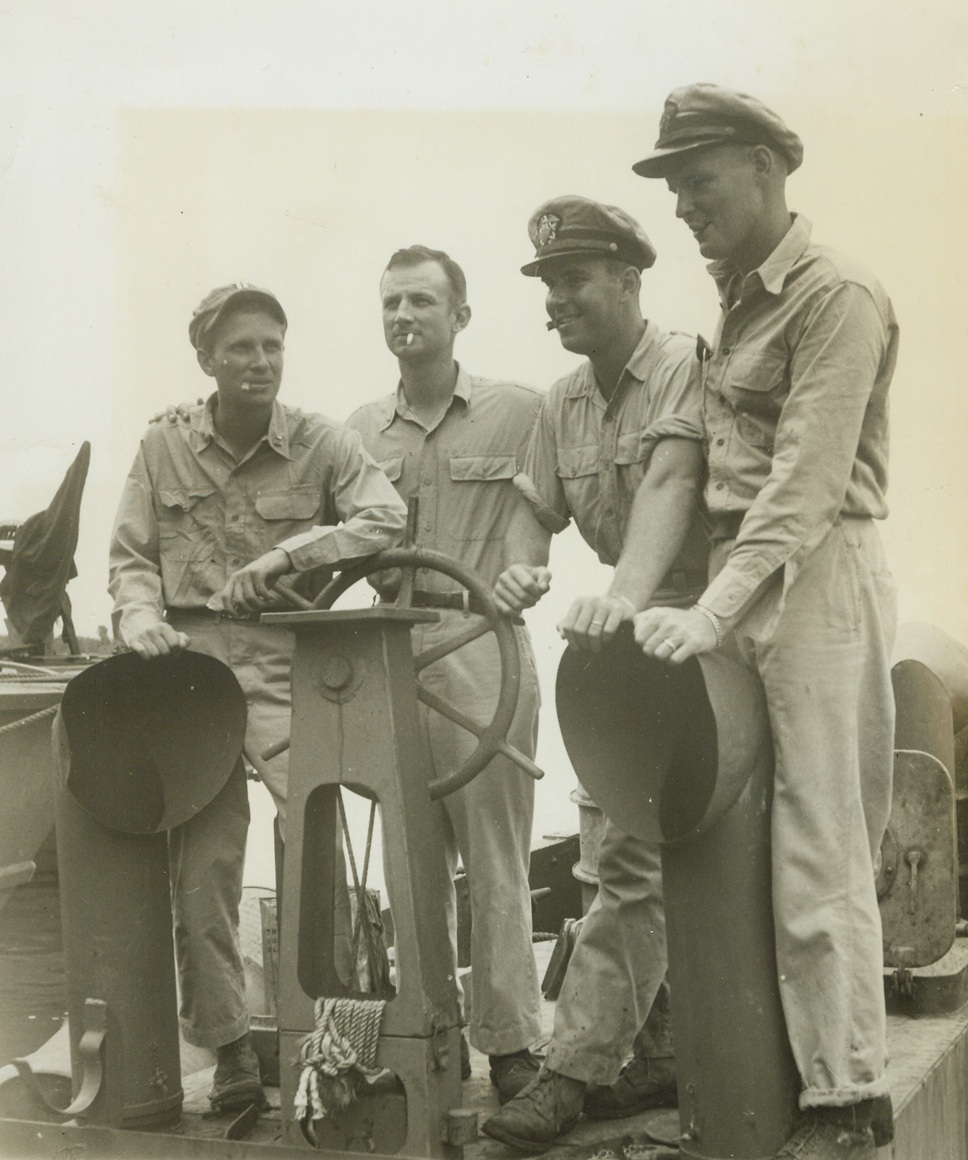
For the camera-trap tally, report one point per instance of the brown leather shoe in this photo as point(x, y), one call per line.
point(539, 1114)
point(512, 1073)
point(237, 1082)
point(642, 1084)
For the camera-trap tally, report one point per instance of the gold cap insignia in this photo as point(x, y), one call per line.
point(548, 225)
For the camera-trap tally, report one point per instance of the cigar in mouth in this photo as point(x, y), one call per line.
point(245, 387)
point(409, 340)
point(552, 325)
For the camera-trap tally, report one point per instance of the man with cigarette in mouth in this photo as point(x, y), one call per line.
point(453, 441)
point(217, 506)
point(795, 406)
point(617, 447)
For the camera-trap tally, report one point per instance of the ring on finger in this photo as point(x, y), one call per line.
point(669, 644)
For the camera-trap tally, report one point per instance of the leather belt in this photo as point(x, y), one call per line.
point(211, 614)
point(462, 601)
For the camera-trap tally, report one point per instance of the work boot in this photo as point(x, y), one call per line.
point(465, 1057)
point(237, 1082)
point(539, 1114)
point(642, 1084)
point(821, 1137)
point(512, 1073)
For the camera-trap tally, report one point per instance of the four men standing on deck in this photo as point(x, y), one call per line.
point(790, 407)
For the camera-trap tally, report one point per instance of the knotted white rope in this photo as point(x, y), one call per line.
point(336, 1057)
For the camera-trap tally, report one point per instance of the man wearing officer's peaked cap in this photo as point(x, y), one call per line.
point(618, 448)
point(576, 226)
point(795, 407)
point(697, 116)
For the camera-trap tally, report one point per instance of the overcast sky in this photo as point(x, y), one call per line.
point(150, 151)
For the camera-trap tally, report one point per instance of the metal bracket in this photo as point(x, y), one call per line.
point(89, 1054)
point(904, 981)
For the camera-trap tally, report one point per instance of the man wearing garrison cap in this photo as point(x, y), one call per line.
point(217, 506)
point(795, 415)
point(617, 447)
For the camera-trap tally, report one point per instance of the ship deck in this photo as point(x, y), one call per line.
point(927, 1072)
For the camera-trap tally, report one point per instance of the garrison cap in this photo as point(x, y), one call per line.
point(223, 300)
point(566, 226)
point(696, 116)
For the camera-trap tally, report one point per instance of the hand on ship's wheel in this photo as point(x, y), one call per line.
point(492, 736)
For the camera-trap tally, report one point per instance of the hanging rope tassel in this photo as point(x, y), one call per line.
point(336, 1057)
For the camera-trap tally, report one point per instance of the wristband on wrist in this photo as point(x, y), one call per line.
point(713, 620)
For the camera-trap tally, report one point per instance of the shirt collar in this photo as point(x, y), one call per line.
point(641, 353)
point(396, 404)
point(773, 272)
point(584, 382)
point(277, 436)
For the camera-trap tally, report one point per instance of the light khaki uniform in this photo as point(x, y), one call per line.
point(461, 473)
point(191, 515)
point(586, 461)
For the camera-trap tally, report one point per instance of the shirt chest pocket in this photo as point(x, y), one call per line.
point(577, 462)
point(632, 449)
point(185, 523)
point(480, 496)
point(297, 505)
point(756, 383)
point(482, 468)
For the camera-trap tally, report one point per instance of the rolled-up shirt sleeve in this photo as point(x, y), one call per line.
point(675, 400)
point(373, 516)
point(539, 483)
point(833, 370)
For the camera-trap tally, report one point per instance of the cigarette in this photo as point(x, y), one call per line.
point(409, 341)
point(552, 325)
point(244, 387)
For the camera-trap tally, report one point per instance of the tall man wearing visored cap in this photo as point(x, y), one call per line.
point(617, 447)
point(214, 510)
point(795, 410)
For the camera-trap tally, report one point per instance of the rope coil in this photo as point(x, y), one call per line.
point(336, 1057)
point(341, 1052)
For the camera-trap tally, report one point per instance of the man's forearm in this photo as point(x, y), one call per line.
point(526, 578)
point(527, 540)
point(662, 514)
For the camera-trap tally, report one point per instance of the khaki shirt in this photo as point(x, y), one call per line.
point(588, 456)
point(795, 409)
point(191, 515)
point(460, 470)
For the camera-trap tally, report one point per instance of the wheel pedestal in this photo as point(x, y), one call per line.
point(355, 724)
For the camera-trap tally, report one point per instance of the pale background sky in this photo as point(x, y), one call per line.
point(150, 151)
